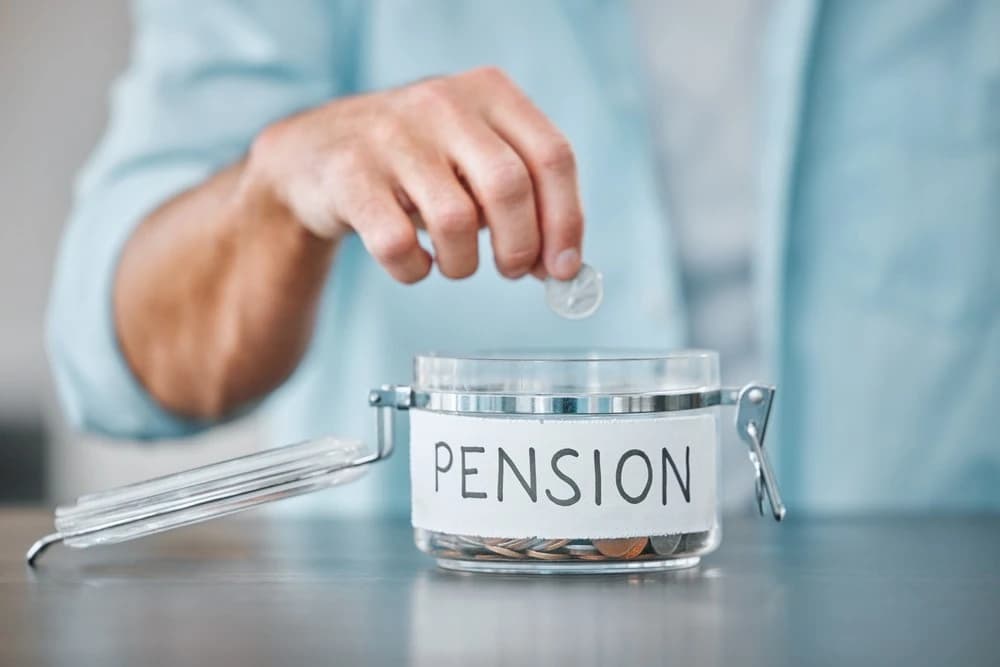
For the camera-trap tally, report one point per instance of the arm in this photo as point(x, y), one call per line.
point(215, 296)
point(216, 292)
point(204, 79)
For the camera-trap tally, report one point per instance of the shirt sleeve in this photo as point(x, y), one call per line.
point(204, 78)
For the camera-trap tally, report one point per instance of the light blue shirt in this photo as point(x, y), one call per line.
point(877, 277)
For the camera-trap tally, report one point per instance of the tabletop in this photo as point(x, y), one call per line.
point(266, 590)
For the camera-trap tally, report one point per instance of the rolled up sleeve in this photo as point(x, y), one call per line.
point(204, 78)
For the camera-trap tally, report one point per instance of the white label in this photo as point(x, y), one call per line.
point(562, 478)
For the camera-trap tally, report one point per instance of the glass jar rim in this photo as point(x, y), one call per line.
point(570, 355)
point(551, 371)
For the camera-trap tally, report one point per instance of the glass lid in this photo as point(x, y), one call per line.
point(207, 492)
point(226, 487)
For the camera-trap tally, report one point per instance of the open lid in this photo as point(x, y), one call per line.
point(223, 488)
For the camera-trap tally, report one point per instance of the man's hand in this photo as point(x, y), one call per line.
point(450, 154)
point(217, 290)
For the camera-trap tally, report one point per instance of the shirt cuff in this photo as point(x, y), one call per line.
point(97, 388)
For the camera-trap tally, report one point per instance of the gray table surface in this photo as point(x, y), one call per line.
point(259, 590)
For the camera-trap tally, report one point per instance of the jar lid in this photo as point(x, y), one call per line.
point(558, 372)
point(208, 492)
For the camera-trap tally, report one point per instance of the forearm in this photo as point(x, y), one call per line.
point(216, 294)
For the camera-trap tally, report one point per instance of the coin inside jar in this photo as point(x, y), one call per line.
point(578, 297)
point(665, 544)
point(503, 551)
point(586, 549)
point(625, 548)
point(550, 545)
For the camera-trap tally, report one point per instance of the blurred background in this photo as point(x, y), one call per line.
point(57, 61)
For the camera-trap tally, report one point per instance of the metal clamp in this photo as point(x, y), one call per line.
point(386, 400)
point(753, 408)
point(481, 403)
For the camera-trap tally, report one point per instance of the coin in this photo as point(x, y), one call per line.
point(518, 544)
point(625, 548)
point(665, 544)
point(585, 549)
point(550, 545)
point(442, 542)
point(578, 297)
point(501, 551)
point(593, 556)
point(541, 555)
point(467, 543)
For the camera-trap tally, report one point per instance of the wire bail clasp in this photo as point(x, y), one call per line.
point(386, 400)
point(753, 408)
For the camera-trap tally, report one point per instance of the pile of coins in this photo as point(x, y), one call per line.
point(534, 548)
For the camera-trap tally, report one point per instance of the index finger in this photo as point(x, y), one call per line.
point(550, 159)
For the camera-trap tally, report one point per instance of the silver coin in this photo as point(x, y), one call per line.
point(578, 297)
point(586, 549)
point(468, 544)
point(665, 544)
point(550, 545)
point(444, 542)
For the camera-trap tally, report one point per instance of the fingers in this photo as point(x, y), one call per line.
point(552, 166)
point(387, 232)
point(501, 184)
point(452, 153)
point(445, 208)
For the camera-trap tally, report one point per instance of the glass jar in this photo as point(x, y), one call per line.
point(567, 462)
point(533, 462)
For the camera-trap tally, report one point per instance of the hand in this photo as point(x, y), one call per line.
point(450, 154)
